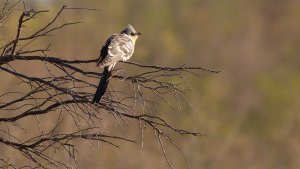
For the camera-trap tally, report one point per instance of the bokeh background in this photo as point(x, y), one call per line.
point(249, 113)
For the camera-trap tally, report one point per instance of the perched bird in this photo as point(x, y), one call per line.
point(118, 47)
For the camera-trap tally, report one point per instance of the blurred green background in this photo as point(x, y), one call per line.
point(250, 112)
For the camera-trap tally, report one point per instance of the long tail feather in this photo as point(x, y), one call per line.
point(102, 85)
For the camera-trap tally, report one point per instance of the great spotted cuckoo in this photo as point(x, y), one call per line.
point(118, 47)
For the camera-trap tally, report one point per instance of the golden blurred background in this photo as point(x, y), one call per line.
point(249, 113)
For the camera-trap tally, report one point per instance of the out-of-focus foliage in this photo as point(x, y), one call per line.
point(250, 114)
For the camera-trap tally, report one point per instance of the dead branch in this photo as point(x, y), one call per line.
point(68, 93)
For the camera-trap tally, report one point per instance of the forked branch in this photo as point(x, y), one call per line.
point(64, 94)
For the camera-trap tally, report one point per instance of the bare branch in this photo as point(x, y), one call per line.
point(65, 91)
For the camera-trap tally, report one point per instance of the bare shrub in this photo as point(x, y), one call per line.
point(63, 95)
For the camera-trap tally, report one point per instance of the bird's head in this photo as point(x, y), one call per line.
point(131, 32)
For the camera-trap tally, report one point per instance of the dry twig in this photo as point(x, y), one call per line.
point(67, 94)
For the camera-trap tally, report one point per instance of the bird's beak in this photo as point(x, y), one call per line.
point(138, 33)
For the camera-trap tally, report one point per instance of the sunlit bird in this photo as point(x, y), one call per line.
point(118, 47)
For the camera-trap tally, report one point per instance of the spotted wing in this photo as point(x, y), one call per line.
point(119, 47)
point(104, 50)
